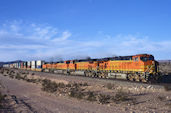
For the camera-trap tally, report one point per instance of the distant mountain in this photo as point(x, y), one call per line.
point(1, 63)
point(168, 61)
point(12, 62)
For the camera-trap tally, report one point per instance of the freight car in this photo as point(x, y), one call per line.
point(142, 67)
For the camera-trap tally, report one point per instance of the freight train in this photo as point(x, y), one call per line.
point(141, 67)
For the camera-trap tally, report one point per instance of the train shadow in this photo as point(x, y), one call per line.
point(165, 78)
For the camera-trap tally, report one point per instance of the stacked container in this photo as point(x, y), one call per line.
point(6, 65)
point(28, 65)
point(11, 65)
point(33, 65)
point(25, 65)
point(39, 64)
point(21, 65)
point(15, 65)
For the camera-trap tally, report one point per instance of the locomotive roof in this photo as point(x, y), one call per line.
point(85, 60)
point(106, 58)
point(117, 58)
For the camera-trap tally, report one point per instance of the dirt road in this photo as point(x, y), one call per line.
point(41, 102)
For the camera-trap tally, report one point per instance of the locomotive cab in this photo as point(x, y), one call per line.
point(150, 65)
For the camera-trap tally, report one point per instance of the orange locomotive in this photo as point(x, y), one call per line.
point(141, 67)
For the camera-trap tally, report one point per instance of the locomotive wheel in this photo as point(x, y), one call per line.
point(105, 74)
point(93, 74)
point(102, 75)
point(90, 74)
point(143, 80)
point(86, 73)
point(137, 77)
point(130, 77)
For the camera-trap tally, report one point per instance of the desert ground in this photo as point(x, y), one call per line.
point(37, 92)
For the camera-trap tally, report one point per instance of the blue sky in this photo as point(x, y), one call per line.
point(68, 29)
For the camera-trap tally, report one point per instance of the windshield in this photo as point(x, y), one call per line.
point(147, 58)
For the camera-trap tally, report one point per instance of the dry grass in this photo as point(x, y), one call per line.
point(168, 105)
point(110, 86)
point(104, 99)
point(18, 76)
point(49, 86)
point(2, 99)
point(76, 93)
point(31, 80)
point(11, 76)
point(161, 98)
point(91, 96)
point(121, 96)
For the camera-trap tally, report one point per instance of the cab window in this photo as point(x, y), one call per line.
point(144, 59)
point(147, 58)
point(136, 59)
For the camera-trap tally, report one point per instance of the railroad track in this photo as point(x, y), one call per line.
point(111, 80)
point(107, 79)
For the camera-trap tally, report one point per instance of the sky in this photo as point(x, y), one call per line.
point(70, 29)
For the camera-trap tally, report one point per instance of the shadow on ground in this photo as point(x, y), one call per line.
point(166, 78)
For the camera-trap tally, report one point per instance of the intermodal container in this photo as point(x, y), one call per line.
point(33, 63)
point(39, 63)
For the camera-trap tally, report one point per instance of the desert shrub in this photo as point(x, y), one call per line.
point(76, 85)
point(39, 80)
point(91, 96)
point(23, 72)
point(110, 86)
point(167, 87)
point(1, 71)
point(6, 72)
point(61, 85)
point(83, 84)
point(76, 93)
point(11, 76)
point(104, 99)
point(25, 76)
point(11, 72)
point(68, 85)
point(161, 98)
point(49, 86)
point(31, 80)
point(18, 76)
point(168, 104)
point(2, 98)
point(121, 96)
point(79, 84)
